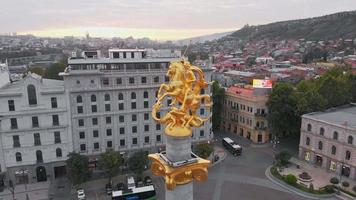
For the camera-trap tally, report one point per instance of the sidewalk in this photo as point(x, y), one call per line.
point(35, 191)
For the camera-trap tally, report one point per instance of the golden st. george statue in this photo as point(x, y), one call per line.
point(185, 84)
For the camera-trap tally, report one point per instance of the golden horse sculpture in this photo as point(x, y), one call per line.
point(185, 84)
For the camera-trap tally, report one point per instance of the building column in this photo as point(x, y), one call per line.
point(301, 154)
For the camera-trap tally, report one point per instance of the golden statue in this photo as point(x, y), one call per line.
point(185, 83)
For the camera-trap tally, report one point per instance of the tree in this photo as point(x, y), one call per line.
point(282, 104)
point(218, 100)
point(291, 179)
point(37, 70)
point(308, 98)
point(78, 168)
point(283, 158)
point(53, 71)
point(110, 162)
point(345, 184)
point(204, 150)
point(138, 162)
point(334, 180)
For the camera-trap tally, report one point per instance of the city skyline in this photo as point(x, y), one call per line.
point(162, 20)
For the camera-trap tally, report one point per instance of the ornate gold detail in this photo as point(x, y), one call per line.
point(179, 175)
point(186, 82)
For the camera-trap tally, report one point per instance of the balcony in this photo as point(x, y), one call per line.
point(260, 128)
point(260, 114)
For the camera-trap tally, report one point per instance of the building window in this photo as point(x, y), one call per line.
point(145, 104)
point(108, 120)
point(347, 155)
point(145, 94)
point(80, 122)
point(119, 81)
point(59, 152)
point(95, 133)
point(122, 142)
point(93, 98)
point(120, 96)
point(107, 107)
point(82, 147)
point(156, 79)
point(55, 120)
point(39, 156)
point(309, 127)
point(133, 105)
point(107, 97)
point(79, 99)
point(94, 121)
point(133, 95)
point(121, 106)
point(166, 79)
point(146, 116)
point(92, 81)
point(105, 81)
point(134, 117)
point(18, 157)
point(202, 91)
point(158, 127)
point(320, 145)
point(134, 129)
point(134, 141)
point(35, 123)
point(201, 133)
point(350, 139)
point(31, 92)
point(147, 128)
point(122, 130)
point(307, 141)
point(158, 138)
point(96, 145)
point(322, 130)
point(333, 150)
point(147, 139)
point(94, 108)
point(121, 119)
point(11, 104)
point(57, 137)
point(80, 109)
point(108, 132)
point(169, 101)
point(143, 80)
point(202, 111)
point(82, 135)
point(109, 144)
point(132, 80)
point(78, 82)
point(13, 122)
point(54, 102)
point(16, 141)
point(335, 135)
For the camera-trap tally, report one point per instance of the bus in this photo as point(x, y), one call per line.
point(231, 146)
point(138, 193)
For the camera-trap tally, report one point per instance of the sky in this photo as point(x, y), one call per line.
point(156, 19)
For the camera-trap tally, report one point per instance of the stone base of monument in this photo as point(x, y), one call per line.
point(179, 166)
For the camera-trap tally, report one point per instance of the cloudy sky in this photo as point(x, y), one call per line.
point(157, 19)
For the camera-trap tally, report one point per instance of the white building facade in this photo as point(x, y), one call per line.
point(34, 130)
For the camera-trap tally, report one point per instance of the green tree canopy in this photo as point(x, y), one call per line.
point(218, 100)
point(53, 71)
point(138, 162)
point(204, 150)
point(37, 70)
point(78, 169)
point(110, 162)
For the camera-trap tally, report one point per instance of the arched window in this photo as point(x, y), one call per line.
point(93, 98)
point(107, 97)
point(320, 145)
point(333, 150)
point(121, 96)
point(347, 155)
point(309, 127)
point(39, 156)
point(59, 152)
point(31, 93)
point(133, 95)
point(145, 94)
point(350, 139)
point(307, 141)
point(322, 130)
point(336, 135)
point(18, 157)
point(79, 99)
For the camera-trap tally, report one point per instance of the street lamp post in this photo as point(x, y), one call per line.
point(342, 167)
point(274, 142)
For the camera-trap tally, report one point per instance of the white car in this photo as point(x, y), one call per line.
point(80, 194)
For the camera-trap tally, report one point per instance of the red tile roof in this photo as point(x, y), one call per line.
point(247, 92)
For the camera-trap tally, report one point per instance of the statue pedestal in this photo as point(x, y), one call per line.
point(178, 149)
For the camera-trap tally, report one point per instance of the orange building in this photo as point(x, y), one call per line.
point(245, 112)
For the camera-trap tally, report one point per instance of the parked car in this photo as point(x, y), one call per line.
point(120, 186)
point(80, 194)
point(108, 188)
point(148, 180)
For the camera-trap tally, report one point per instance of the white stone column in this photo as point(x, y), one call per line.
point(179, 148)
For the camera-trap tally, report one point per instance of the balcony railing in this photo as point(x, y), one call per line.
point(260, 114)
point(260, 128)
